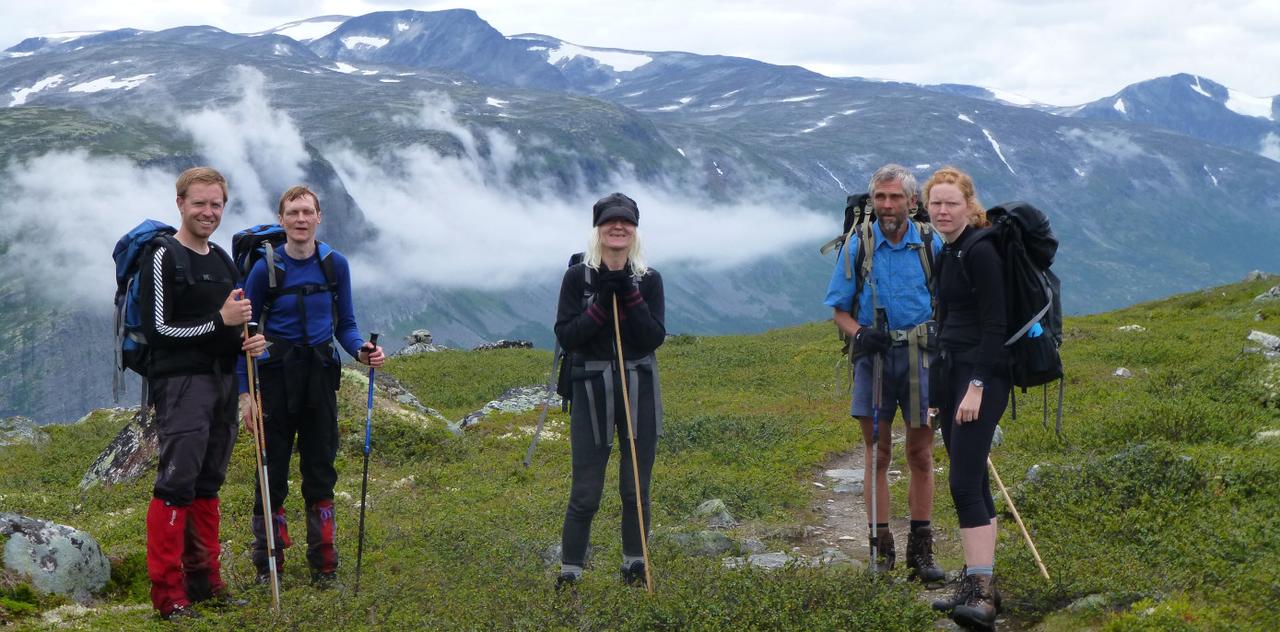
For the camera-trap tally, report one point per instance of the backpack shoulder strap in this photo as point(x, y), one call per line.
point(330, 278)
point(230, 263)
point(181, 262)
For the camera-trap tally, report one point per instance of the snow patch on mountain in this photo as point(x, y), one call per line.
point(1211, 176)
point(110, 82)
point(1199, 89)
point(1011, 98)
point(965, 119)
point(306, 30)
point(344, 68)
point(806, 97)
point(402, 27)
point(833, 177)
point(364, 41)
point(26, 54)
point(1119, 106)
point(618, 60)
point(69, 36)
point(1241, 103)
point(996, 146)
point(496, 102)
point(20, 94)
point(389, 80)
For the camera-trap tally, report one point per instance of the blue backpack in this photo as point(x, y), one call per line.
point(133, 350)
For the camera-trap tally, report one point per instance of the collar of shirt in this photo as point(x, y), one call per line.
point(912, 236)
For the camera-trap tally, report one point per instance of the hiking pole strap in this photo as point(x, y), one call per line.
point(1026, 535)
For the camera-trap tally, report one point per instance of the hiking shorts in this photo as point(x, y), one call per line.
point(897, 388)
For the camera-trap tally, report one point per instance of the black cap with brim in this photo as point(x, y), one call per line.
point(615, 206)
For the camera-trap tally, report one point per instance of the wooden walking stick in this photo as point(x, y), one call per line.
point(260, 453)
point(632, 436)
point(1018, 518)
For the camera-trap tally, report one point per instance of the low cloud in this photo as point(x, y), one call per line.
point(445, 221)
point(259, 149)
point(461, 221)
point(1271, 146)
point(63, 212)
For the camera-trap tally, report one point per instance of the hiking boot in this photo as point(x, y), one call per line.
point(920, 556)
point(958, 596)
point(566, 581)
point(633, 575)
point(979, 610)
point(180, 613)
point(263, 578)
point(885, 554)
point(324, 581)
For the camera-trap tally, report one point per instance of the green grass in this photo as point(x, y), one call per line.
point(1163, 504)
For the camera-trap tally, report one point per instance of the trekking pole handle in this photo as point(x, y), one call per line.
point(368, 421)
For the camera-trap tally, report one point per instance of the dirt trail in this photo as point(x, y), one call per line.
point(842, 513)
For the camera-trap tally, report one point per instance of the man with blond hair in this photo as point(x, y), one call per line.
point(193, 320)
point(307, 306)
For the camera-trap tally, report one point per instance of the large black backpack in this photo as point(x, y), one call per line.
point(1033, 294)
point(564, 385)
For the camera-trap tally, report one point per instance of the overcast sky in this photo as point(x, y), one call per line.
point(1063, 52)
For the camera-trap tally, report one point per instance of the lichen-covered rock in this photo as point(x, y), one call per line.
point(56, 558)
point(701, 543)
point(130, 455)
point(504, 344)
point(20, 430)
point(1132, 329)
point(716, 514)
point(1272, 294)
point(513, 400)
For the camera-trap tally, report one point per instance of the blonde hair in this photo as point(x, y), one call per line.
point(635, 255)
point(961, 180)
point(202, 175)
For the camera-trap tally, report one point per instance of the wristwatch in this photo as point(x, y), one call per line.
point(976, 383)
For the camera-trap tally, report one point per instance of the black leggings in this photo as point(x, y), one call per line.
point(590, 460)
point(969, 445)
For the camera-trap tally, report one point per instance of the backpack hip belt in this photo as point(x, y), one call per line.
point(605, 368)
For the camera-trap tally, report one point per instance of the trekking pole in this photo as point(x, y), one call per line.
point(635, 463)
point(877, 386)
point(364, 482)
point(1018, 519)
point(260, 453)
point(546, 403)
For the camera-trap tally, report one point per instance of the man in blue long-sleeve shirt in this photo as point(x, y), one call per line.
point(299, 375)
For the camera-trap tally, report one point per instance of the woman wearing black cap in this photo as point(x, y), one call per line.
point(613, 268)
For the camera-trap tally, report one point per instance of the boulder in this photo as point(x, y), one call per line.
point(1123, 372)
point(1272, 294)
point(504, 344)
point(21, 430)
point(1258, 275)
point(701, 543)
point(1132, 329)
point(513, 400)
point(1265, 340)
point(56, 558)
point(716, 514)
point(130, 455)
point(420, 341)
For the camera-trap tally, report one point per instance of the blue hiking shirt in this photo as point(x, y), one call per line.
point(898, 278)
point(285, 321)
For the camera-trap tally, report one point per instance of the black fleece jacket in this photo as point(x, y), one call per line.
point(971, 304)
point(587, 332)
point(182, 320)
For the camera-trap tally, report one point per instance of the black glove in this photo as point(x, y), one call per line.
point(613, 282)
point(871, 340)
